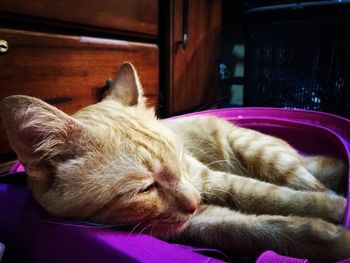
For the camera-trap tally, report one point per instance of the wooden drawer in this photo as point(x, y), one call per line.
point(68, 71)
point(139, 16)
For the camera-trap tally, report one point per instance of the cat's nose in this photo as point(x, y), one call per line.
point(190, 209)
point(191, 206)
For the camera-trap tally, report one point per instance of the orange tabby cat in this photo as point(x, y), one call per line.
point(196, 180)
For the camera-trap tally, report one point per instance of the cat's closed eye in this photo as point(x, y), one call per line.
point(150, 188)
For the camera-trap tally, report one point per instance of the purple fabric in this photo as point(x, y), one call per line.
point(12, 199)
point(17, 168)
point(45, 238)
point(270, 256)
point(71, 241)
point(41, 237)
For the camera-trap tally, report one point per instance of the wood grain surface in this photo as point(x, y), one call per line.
point(69, 71)
point(137, 16)
point(194, 78)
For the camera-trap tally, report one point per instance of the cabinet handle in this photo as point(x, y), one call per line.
point(3, 46)
point(184, 41)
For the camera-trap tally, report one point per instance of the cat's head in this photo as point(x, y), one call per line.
point(112, 162)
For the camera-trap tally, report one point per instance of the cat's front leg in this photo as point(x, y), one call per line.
point(236, 233)
point(253, 196)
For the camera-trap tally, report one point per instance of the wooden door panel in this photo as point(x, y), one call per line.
point(68, 71)
point(195, 78)
point(137, 16)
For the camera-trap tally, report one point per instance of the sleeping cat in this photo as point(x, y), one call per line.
point(197, 180)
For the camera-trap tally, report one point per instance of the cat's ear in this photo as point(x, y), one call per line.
point(38, 131)
point(126, 87)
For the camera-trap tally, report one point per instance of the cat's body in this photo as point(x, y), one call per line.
point(197, 180)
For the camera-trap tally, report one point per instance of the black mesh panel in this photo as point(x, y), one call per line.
point(299, 58)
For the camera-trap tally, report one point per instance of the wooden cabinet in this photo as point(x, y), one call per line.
point(140, 16)
point(193, 79)
point(64, 51)
point(69, 71)
point(68, 68)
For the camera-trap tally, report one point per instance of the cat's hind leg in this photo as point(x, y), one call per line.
point(236, 233)
point(270, 159)
point(332, 172)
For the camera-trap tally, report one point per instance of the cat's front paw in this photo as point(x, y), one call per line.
point(339, 209)
point(329, 207)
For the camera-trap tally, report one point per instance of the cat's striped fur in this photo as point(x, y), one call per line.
point(114, 162)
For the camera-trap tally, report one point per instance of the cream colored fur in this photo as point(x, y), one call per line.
point(198, 180)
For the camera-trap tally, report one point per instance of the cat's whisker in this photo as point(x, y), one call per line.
point(171, 229)
point(236, 200)
point(198, 184)
point(213, 194)
point(198, 152)
point(201, 141)
point(200, 181)
point(135, 228)
point(98, 225)
point(218, 161)
point(144, 229)
point(192, 148)
point(167, 233)
point(153, 228)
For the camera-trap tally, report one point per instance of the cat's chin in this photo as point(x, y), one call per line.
point(168, 228)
